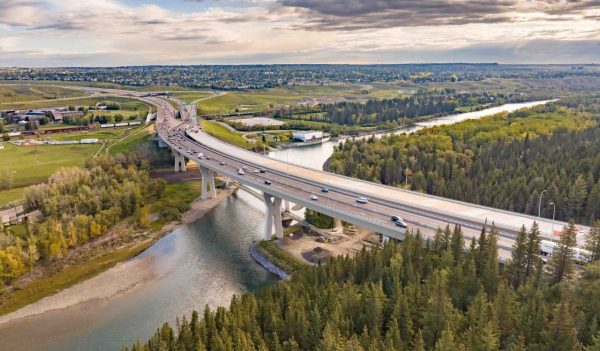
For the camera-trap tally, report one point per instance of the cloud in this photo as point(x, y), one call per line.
point(19, 12)
point(335, 15)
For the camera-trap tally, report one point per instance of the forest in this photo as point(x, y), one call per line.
point(505, 161)
point(76, 205)
point(435, 294)
point(403, 109)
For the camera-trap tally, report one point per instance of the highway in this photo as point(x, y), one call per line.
point(297, 184)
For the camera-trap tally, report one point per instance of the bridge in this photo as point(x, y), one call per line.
point(282, 181)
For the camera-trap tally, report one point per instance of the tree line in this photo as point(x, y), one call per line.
point(506, 161)
point(435, 294)
point(76, 205)
point(378, 112)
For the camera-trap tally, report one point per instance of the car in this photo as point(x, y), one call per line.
point(180, 147)
point(400, 223)
point(200, 155)
point(362, 200)
point(208, 157)
point(222, 163)
point(395, 218)
point(262, 170)
point(314, 197)
point(241, 172)
point(268, 182)
point(245, 168)
point(255, 171)
point(324, 190)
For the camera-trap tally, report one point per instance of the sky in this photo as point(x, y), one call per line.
point(44, 33)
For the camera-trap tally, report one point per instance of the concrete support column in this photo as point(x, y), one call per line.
point(208, 183)
point(286, 205)
point(337, 225)
point(273, 216)
point(179, 162)
point(384, 239)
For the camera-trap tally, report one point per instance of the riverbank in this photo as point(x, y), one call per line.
point(103, 279)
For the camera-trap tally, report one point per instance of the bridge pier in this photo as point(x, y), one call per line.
point(273, 216)
point(286, 205)
point(208, 181)
point(179, 162)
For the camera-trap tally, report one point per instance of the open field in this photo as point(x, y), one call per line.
point(10, 195)
point(16, 93)
point(190, 96)
point(34, 164)
point(126, 104)
point(221, 132)
point(131, 140)
point(264, 99)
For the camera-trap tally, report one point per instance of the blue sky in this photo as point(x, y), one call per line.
point(137, 32)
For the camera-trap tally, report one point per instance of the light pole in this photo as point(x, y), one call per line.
point(553, 213)
point(540, 203)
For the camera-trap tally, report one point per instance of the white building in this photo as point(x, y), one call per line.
point(307, 136)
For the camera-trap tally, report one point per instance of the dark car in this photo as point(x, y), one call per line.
point(395, 218)
point(262, 170)
point(268, 182)
point(324, 190)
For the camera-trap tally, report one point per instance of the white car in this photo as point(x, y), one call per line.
point(256, 171)
point(314, 197)
point(362, 200)
point(241, 172)
point(400, 223)
point(200, 155)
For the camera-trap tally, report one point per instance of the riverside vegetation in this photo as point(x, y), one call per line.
point(504, 161)
point(79, 205)
point(421, 294)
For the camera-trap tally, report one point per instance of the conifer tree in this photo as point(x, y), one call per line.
point(562, 260)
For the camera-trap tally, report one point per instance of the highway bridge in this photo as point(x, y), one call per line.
point(282, 181)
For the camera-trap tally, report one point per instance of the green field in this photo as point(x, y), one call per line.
point(126, 104)
point(12, 195)
point(189, 96)
point(132, 140)
point(221, 132)
point(264, 99)
point(15, 93)
point(34, 164)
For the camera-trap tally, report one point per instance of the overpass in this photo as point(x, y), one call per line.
point(280, 181)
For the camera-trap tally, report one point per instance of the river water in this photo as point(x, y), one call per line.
point(205, 262)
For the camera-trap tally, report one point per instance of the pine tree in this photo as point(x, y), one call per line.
point(533, 251)
point(515, 270)
point(562, 260)
point(592, 242)
point(560, 334)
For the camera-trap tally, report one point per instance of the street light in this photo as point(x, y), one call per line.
point(553, 213)
point(540, 203)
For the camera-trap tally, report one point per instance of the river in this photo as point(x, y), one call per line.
point(205, 262)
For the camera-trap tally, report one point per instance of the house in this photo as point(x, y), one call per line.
point(59, 115)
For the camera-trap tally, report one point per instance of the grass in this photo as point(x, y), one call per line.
point(189, 97)
point(69, 276)
point(176, 196)
point(34, 164)
point(134, 138)
point(12, 195)
point(22, 92)
point(126, 104)
point(220, 132)
point(280, 258)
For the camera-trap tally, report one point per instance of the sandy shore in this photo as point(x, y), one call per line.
point(115, 281)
